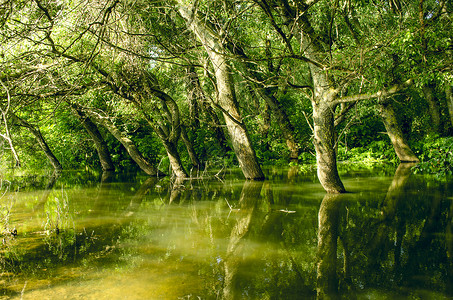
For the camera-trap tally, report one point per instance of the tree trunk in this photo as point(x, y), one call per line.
point(428, 92)
point(190, 149)
point(99, 143)
point(195, 91)
point(325, 146)
point(226, 95)
point(328, 221)
point(283, 121)
point(42, 143)
point(267, 93)
point(175, 160)
point(131, 149)
point(402, 149)
point(449, 95)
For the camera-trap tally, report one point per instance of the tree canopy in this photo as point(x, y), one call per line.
point(176, 86)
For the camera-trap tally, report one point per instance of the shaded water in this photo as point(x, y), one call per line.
point(133, 237)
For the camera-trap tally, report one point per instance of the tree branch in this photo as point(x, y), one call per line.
point(379, 94)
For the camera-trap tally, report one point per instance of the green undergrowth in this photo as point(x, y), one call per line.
point(436, 156)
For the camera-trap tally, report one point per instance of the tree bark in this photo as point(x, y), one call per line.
point(449, 96)
point(128, 144)
point(190, 149)
point(225, 95)
point(41, 141)
point(99, 143)
point(325, 146)
point(283, 121)
point(428, 92)
point(402, 149)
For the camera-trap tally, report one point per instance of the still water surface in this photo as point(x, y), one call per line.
point(82, 236)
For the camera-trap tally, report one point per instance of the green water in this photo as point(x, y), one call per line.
point(125, 236)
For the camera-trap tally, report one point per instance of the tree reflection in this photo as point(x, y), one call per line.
point(249, 198)
point(328, 221)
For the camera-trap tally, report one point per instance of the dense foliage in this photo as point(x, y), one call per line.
point(147, 76)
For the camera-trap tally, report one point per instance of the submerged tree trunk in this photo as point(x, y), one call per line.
point(325, 146)
point(402, 149)
point(225, 95)
point(128, 144)
point(99, 143)
point(41, 141)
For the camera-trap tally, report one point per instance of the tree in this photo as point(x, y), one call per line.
point(226, 97)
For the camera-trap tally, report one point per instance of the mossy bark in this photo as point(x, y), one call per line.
point(402, 149)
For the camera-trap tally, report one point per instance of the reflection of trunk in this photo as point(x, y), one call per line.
point(189, 146)
point(41, 141)
point(449, 242)
point(324, 140)
point(389, 206)
point(99, 143)
point(399, 181)
point(176, 188)
point(428, 92)
point(328, 220)
point(49, 187)
point(402, 149)
point(140, 194)
point(134, 153)
point(226, 97)
point(449, 95)
point(250, 196)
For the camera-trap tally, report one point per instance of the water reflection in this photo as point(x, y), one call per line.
point(148, 238)
point(250, 196)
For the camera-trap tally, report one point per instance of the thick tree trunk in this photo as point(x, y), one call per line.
point(325, 146)
point(128, 144)
point(328, 221)
point(226, 95)
point(41, 141)
point(99, 143)
point(449, 96)
point(402, 149)
point(428, 92)
point(175, 160)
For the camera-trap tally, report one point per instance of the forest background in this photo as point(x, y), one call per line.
point(174, 87)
